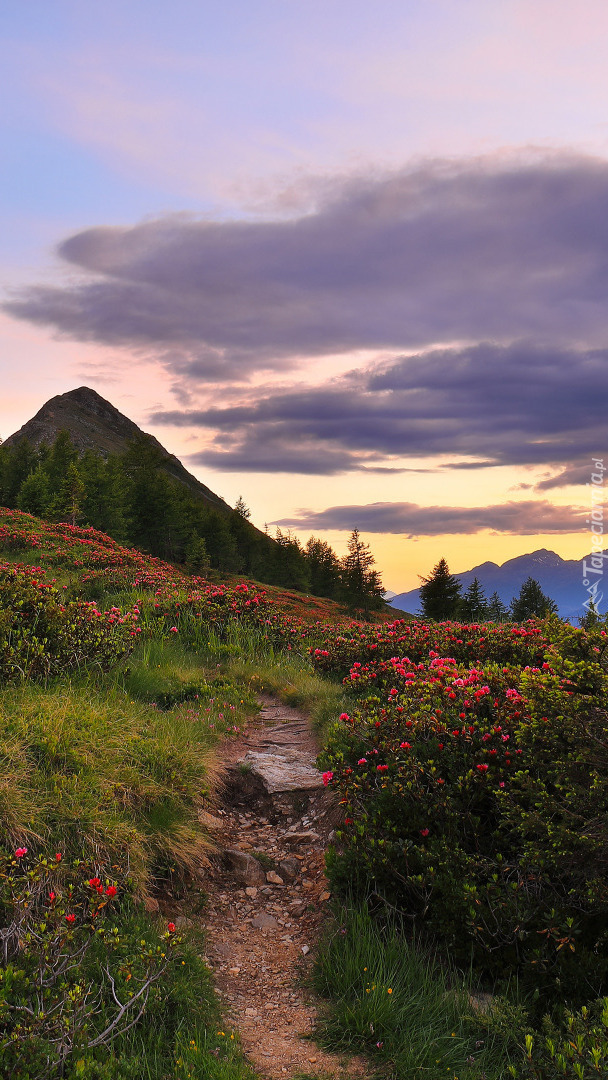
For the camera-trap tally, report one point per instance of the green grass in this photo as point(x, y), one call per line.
point(391, 1000)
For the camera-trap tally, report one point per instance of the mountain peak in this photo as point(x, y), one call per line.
point(95, 424)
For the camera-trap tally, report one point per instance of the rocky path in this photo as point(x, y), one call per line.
point(268, 893)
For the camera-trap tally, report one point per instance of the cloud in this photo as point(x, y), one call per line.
point(495, 250)
point(518, 404)
point(577, 475)
point(517, 518)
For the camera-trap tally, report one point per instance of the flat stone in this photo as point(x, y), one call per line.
point(183, 923)
point(284, 769)
point(245, 868)
point(273, 878)
point(264, 921)
point(297, 838)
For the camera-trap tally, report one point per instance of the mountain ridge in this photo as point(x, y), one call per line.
point(95, 424)
point(561, 579)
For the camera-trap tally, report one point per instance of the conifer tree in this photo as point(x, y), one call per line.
point(473, 606)
point(497, 611)
point(361, 585)
point(531, 602)
point(440, 593)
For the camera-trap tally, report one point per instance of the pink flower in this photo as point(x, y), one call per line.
point(173, 630)
point(327, 776)
point(20, 852)
point(362, 761)
point(405, 746)
point(344, 716)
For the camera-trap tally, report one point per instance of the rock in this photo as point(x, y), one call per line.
point(274, 878)
point(182, 923)
point(264, 921)
point(290, 868)
point(245, 868)
point(305, 950)
point(297, 838)
point(290, 770)
point(252, 892)
point(324, 896)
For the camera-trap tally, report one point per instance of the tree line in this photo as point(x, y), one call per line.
point(131, 497)
point(442, 599)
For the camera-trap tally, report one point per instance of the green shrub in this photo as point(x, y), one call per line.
point(576, 1050)
point(476, 800)
point(40, 636)
point(71, 979)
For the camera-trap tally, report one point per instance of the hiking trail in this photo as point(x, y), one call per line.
point(267, 894)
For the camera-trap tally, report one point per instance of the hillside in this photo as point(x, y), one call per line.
point(561, 579)
point(95, 424)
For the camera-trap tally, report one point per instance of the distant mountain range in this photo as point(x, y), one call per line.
point(561, 579)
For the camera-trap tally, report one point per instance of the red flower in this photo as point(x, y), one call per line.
point(52, 897)
point(20, 852)
point(111, 890)
point(70, 918)
point(382, 768)
point(94, 882)
point(171, 927)
point(424, 832)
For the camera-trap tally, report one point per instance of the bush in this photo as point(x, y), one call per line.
point(41, 637)
point(71, 979)
point(476, 799)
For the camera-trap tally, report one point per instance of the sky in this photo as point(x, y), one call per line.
point(349, 261)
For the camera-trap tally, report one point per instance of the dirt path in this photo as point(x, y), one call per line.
point(265, 913)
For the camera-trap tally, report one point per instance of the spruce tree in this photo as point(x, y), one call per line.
point(473, 606)
point(440, 594)
point(497, 611)
point(362, 587)
point(531, 602)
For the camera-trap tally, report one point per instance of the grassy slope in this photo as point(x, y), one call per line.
point(114, 766)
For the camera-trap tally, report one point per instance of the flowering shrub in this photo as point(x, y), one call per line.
point(474, 796)
point(40, 636)
point(71, 979)
point(419, 641)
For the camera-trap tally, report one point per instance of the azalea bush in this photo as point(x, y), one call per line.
point(41, 636)
point(474, 799)
point(73, 974)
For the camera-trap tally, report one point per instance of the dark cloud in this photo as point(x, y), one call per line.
point(577, 474)
point(519, 518)
point(442, 253)
point(518, 404)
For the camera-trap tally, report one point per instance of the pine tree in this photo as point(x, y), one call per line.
point(440, 594)
point(362, 587)
point(323, 567)
point(197, 558)
point(34, 494)
point(242, 509)
point(473, 606)
point(497, 611)
point(531, 602)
